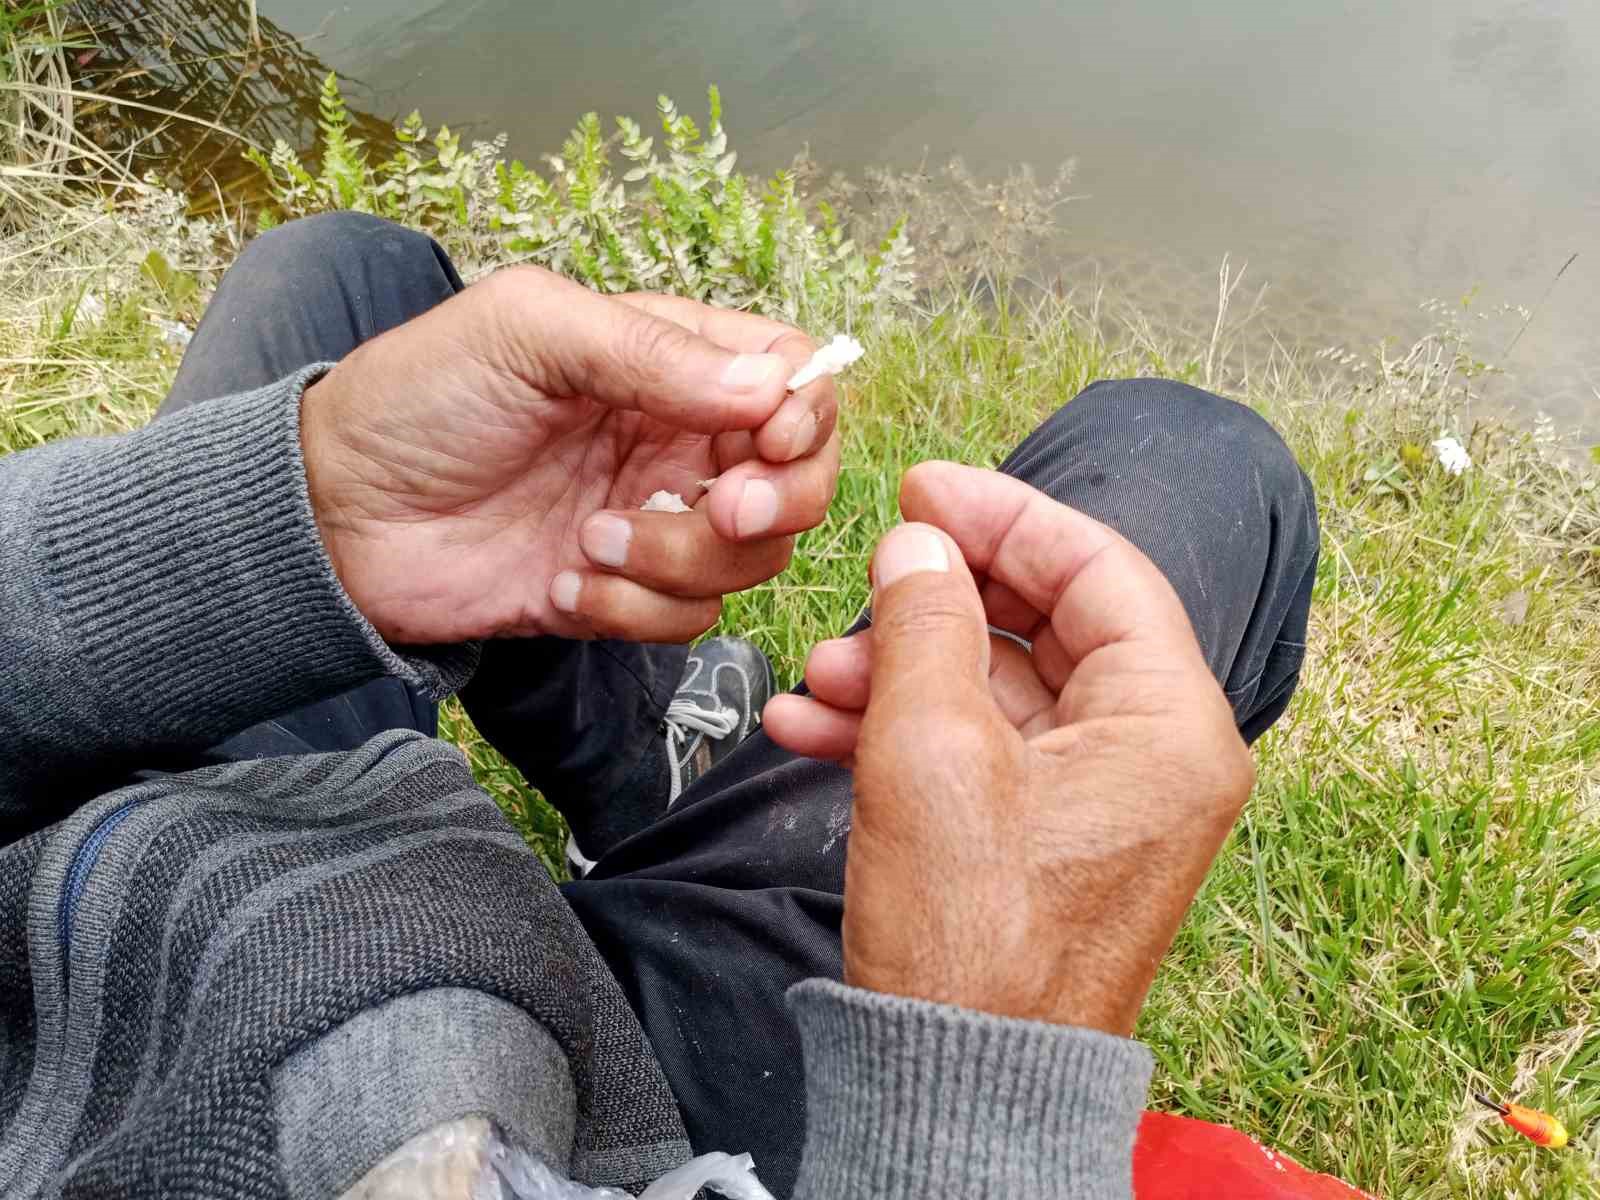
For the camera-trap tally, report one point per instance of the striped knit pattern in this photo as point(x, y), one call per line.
point(236, 914)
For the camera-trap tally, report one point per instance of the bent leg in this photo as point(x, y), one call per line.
point(307, 292)
point(712, 913)
point(1207, 489)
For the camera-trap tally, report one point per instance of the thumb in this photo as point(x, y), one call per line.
point(930, 640)
point(565, 340)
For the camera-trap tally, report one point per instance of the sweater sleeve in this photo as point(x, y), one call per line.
point(164, 588)
point(906, 1099)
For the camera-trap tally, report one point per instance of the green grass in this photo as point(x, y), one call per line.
point(1401, 917)
point(1410, 909)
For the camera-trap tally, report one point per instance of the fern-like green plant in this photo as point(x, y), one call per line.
point(679, 218)
point(345, 179)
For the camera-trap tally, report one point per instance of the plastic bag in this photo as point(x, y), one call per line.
point(469, 1160)
point(512, 1175)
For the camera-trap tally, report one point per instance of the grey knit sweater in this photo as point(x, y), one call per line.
point(260, 980)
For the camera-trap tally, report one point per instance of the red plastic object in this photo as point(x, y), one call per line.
point(1179, 1158)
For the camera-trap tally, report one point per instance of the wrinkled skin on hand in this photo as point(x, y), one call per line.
point(478, 471)
point(1029, 828)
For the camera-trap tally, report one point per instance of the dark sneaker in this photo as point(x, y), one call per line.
point(726, 683)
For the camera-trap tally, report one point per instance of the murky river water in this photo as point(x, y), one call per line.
point(1361, 155)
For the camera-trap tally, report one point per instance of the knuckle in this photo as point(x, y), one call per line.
point(710, 613)
point(797, 345)
point(824, 481)
point(782, 555)
point(931, 749)
point(509, 303)
point(908, 715)
point(671, 548)
point(962, 738)
point(646, 343)
point(811, 508)
point(512, 278)
point(1212, 761)
point(914, 483)
point(763, 561)
point(1238, 773)
point(930, 615)
point(505, 290)
point(827, 404)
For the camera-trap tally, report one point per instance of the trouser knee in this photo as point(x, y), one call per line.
point(343, 251)
point(1209, 491)
point(1164, 429)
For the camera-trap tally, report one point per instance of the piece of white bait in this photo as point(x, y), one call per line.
point(665, 502)
point(829, 360)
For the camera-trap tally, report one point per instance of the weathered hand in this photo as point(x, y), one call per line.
point(1029, 829)
point(478, 471)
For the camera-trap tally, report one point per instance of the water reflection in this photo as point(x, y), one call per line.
point(1521, 53)
point(244, 83)
point(1361, 155)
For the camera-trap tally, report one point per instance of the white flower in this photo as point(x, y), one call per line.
point(174, 333)
point(1453, 456)
point(665, 502)
point(91, 310)
point(830, 360)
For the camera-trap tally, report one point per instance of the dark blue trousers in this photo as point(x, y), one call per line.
point(707, 914)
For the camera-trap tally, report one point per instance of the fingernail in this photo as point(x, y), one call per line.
point(803, 434)
point(905, 551)
point(605, 539)
point(564, 591)
point(751, 371)
point(758, 508)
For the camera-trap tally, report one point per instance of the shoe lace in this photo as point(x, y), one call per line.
point(688, 723)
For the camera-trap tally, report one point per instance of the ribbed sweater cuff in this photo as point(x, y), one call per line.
point(909, 1099)
point(187, 565)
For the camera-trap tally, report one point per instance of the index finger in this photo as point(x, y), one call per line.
point(1094, 586)
point(746, 332)
point(804, 421)
point(561, 340)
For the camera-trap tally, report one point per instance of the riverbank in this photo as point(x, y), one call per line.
point(1410, 908)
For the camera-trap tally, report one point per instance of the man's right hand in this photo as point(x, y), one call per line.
point(478, 471)
point(1029, 829)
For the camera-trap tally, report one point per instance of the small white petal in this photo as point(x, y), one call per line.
point(174, 333)
point(1453, 456)
point(91, 310)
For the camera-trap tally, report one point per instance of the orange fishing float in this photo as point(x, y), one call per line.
point(1538, 1127)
